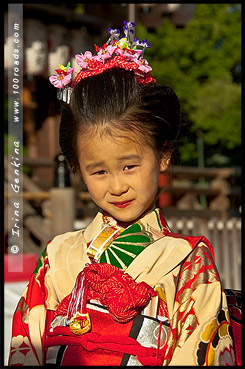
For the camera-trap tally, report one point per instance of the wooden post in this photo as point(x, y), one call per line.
point(131, 12)
point(63, 210)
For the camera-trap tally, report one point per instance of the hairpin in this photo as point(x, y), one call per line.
point(122, 52)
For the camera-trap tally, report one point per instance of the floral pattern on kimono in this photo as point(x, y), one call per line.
point(179, 268)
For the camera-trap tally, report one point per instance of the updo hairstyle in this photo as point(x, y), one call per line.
point(113, 102)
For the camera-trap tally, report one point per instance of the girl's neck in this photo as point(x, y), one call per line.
point(107, 218)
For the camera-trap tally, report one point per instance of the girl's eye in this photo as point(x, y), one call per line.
point(129, 167)
point(100, 172)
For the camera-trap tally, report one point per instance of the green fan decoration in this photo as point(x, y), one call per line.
point(126, 247)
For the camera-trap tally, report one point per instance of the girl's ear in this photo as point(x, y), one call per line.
point(165, 161)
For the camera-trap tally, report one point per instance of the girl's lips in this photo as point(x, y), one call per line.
point(122, 204)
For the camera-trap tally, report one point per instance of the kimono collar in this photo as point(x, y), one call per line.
point(153, 219)
point(115, 245)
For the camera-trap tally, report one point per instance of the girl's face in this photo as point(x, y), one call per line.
point(121, 175)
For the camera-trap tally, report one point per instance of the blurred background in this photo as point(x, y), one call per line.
point(195, 49)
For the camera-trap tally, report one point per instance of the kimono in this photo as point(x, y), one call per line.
point(157, 300)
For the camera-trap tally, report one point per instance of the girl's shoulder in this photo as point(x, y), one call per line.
point(196, 242)
point(65, 248)
point(66, 257)
point(67, 238)
point(77, 237)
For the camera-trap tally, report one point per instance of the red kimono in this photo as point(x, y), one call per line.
point(152, 297)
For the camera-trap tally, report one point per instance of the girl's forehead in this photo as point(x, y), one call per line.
point(96, 141)
point(105, 151)
point(122, 144)
point(116, 135)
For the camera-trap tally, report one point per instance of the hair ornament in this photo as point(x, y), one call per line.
point(123, 52)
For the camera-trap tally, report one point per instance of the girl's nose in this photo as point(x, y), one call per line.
point(117, 186)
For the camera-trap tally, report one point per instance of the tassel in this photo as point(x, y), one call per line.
point(77, 315)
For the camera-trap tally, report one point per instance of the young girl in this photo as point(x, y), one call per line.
point(126, 290)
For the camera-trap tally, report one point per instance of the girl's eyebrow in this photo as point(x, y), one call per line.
point(93, 166)
point(129, 157)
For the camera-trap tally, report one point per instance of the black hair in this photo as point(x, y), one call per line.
point(114, 101)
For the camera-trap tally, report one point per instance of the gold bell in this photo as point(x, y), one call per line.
point(80, 323)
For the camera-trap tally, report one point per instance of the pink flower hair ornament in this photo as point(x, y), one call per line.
point(116, 52)
point(63, 76)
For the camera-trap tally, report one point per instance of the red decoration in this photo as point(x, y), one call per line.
point(115, 289)
point(96, 67)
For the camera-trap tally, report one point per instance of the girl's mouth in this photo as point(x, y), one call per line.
point(122, 204)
